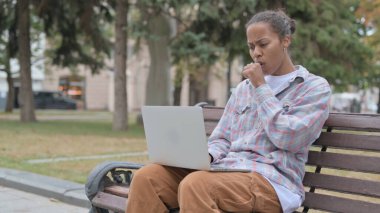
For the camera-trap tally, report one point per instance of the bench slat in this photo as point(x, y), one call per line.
point(344, 161)
point(210, 126)
point(212, 113)
point(342, 120)
point(342, 184)
point(349, 141)
point(119, 190)
point(109, 201)
point(354, 121)
point(338, 204)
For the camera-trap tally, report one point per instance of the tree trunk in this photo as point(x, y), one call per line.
point(378, 103)
point(178, 87)
point(229, 76)
point(198, 89)
point(159, 83)
point(11, 90)
point(120, 115)
point(27, 113)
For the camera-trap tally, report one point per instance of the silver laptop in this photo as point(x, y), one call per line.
point(176, 137)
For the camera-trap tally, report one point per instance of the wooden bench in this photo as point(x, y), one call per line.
point(342, 169)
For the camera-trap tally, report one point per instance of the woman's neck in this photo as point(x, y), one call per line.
point(286, 67)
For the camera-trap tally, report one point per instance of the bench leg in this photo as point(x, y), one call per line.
point(98, 210)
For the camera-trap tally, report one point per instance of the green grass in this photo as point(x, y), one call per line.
point(99, 128)
point(72, 134)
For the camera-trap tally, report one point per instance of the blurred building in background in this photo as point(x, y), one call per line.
point(361, 101)
point(96, 91)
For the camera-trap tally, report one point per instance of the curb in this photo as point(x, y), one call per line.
point(62, 190)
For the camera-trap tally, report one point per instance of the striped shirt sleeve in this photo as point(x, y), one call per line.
point(219, 141)
point(295, 126)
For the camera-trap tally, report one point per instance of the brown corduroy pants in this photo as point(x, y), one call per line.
point(156, 188)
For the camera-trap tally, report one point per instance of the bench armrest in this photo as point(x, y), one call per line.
point(96, 178)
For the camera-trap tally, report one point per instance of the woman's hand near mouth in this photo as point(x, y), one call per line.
point(254, 73)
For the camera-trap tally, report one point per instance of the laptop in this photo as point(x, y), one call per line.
point(176, 137)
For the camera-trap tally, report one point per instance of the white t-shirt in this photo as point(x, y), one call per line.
point(275, 82)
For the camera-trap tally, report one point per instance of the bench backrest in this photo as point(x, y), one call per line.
point(343, 166)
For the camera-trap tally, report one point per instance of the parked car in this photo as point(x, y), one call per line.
point(53, 100)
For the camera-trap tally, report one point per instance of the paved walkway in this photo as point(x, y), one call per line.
point(22, 191)
point(17, 201)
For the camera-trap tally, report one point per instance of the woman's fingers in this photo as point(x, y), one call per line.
point(254, 73)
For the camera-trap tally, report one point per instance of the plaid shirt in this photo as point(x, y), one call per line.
point(271, 133)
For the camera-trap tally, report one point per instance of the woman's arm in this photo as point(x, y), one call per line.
point(296, 127)
point(219, 141)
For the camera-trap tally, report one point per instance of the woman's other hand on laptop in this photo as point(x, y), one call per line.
point(211, 158)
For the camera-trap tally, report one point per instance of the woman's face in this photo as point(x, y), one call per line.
point(266, 48)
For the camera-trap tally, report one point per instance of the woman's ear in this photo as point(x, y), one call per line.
point(286, 41)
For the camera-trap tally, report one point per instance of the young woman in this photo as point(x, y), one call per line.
point(268, 125)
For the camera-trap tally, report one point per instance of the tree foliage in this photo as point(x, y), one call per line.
point(224, 22)
point(367, 14)
point(74, 30)
point(8, 42)
point(217, 34)
point(77, 31)
point(328, 42)
point(8, 26)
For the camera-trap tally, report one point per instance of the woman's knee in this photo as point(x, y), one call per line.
point(195, 180)
point(150, 169)
point(147, 172)
point(195, 193)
